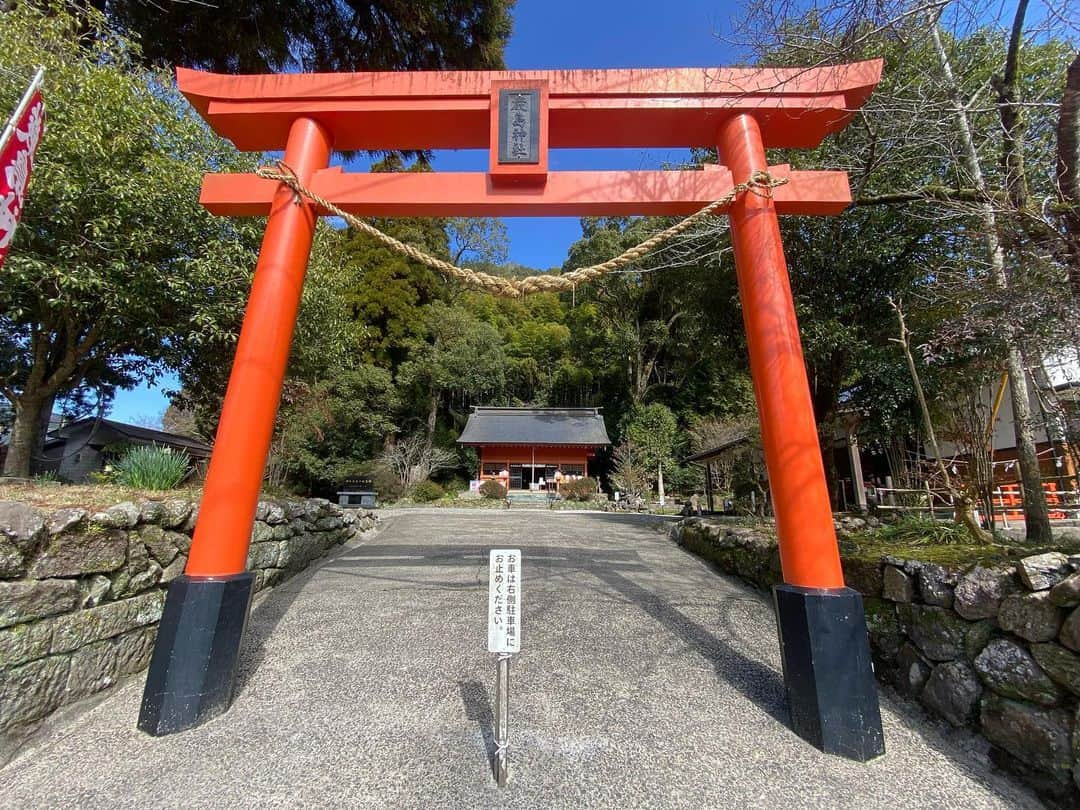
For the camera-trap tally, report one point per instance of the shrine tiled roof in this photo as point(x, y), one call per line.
point(580, 426)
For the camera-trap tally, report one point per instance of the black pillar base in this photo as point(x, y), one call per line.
point(828, 675)
point(193, 668)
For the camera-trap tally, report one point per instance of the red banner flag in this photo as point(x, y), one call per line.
point(20, 142)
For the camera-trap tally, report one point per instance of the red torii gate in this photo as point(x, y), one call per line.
point(519, 116)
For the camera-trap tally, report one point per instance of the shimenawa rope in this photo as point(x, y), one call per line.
point(760, 183)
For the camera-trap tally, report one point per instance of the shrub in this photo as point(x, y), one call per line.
point(493, 489)
point(385, 481)
point(426, 491)
point(152, 467)
point(456, 484)
point(578, 489)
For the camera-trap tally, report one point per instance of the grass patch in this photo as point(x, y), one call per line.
point(919, 538)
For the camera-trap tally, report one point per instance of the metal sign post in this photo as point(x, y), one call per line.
point(504, 639)
point(502, 716)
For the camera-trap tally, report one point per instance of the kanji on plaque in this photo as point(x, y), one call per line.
point(504, 601)
point(17, 148)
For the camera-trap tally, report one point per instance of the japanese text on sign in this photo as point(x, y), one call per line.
point(504, 601)
point(519, 126)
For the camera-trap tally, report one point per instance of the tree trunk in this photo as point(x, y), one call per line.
point(1036, 513)
point(660, 482)
point(1068, 169)
point(1036, 516)
point(963, 506)
point(24, 435)
point(433, 413)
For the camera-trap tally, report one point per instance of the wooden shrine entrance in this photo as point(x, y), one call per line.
point(519, 116)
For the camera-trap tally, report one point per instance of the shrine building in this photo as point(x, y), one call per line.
point(532, 448)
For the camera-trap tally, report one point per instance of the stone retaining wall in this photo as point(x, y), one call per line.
point(993, 649)
point(81, 593)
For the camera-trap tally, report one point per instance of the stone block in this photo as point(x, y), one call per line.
point(32, 690)
point(1032, 616)
point(92, 669)
point(896, 585)
point(936, 584)
point(263, 555)
point(91, 552)
point(174, 569)
point(87, 626)
point(1070, 631)
point(1010, 670)
point(1063, 666)
point(24, 642)
point(175, 512)
point(133, 650)
point(979, 592)
point(261, 532)
point(282, 531)
point(1043, 571)
point(953, 691)
point(188, 525)
point(938, 632)
point(151, 511)
point(1067, 592)
point(121, 516)
point(883, 627)
point(22, 527)
point(328, 523)
point(270, 512)
point(181, 541)
point(978, 636)
point(912, 670)
point(1038, 737)
point(158, 543)
point(299, 551)
point(139, 574)
point(26, 600)
point(905, 564)
point(65, 519)
point(94, 590)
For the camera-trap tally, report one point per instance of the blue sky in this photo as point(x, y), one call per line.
point(561, 34)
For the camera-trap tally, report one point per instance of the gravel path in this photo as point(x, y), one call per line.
point(645, 680)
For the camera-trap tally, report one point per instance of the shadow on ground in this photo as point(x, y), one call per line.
point(753, 679)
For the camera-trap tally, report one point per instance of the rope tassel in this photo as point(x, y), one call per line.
point(760, 183)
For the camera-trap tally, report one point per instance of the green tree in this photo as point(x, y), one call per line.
point(654, 432)
point(116, 270)
point(462, 356)
point(960, 134)
point(255, 36)
point(477, 240)
point(327, 429)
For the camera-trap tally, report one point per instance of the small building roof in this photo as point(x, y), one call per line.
point(581, 426)
point(106, 431)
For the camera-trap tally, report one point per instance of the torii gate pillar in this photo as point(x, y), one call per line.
point(823, 638)
point(193, 667)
